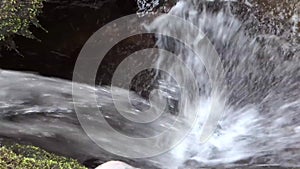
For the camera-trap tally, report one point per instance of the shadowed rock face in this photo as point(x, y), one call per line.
point(69, 25)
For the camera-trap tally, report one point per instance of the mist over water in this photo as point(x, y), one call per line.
point(258, 96)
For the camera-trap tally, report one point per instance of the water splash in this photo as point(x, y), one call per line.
point(262, 80)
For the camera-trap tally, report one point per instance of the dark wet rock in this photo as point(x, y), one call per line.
point(69, 25)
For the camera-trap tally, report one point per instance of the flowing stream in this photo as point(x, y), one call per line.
point(258, 97)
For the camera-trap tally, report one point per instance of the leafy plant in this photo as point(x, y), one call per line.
point(16, 16)
point(29, 157)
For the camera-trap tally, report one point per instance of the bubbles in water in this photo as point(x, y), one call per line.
point(147, 6)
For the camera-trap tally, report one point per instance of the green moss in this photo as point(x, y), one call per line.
point(16, 16)
point(29, 157)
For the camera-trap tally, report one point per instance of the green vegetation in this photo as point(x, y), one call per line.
point(16, 16)
point(29, 157)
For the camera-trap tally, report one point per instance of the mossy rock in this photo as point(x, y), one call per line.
point(29, 157)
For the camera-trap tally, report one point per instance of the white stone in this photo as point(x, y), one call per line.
point(115, 165)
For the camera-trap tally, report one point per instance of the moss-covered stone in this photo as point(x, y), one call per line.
point(29, 157)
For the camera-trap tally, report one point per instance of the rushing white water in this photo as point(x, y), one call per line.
point(260, 125)
point(260, 122)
